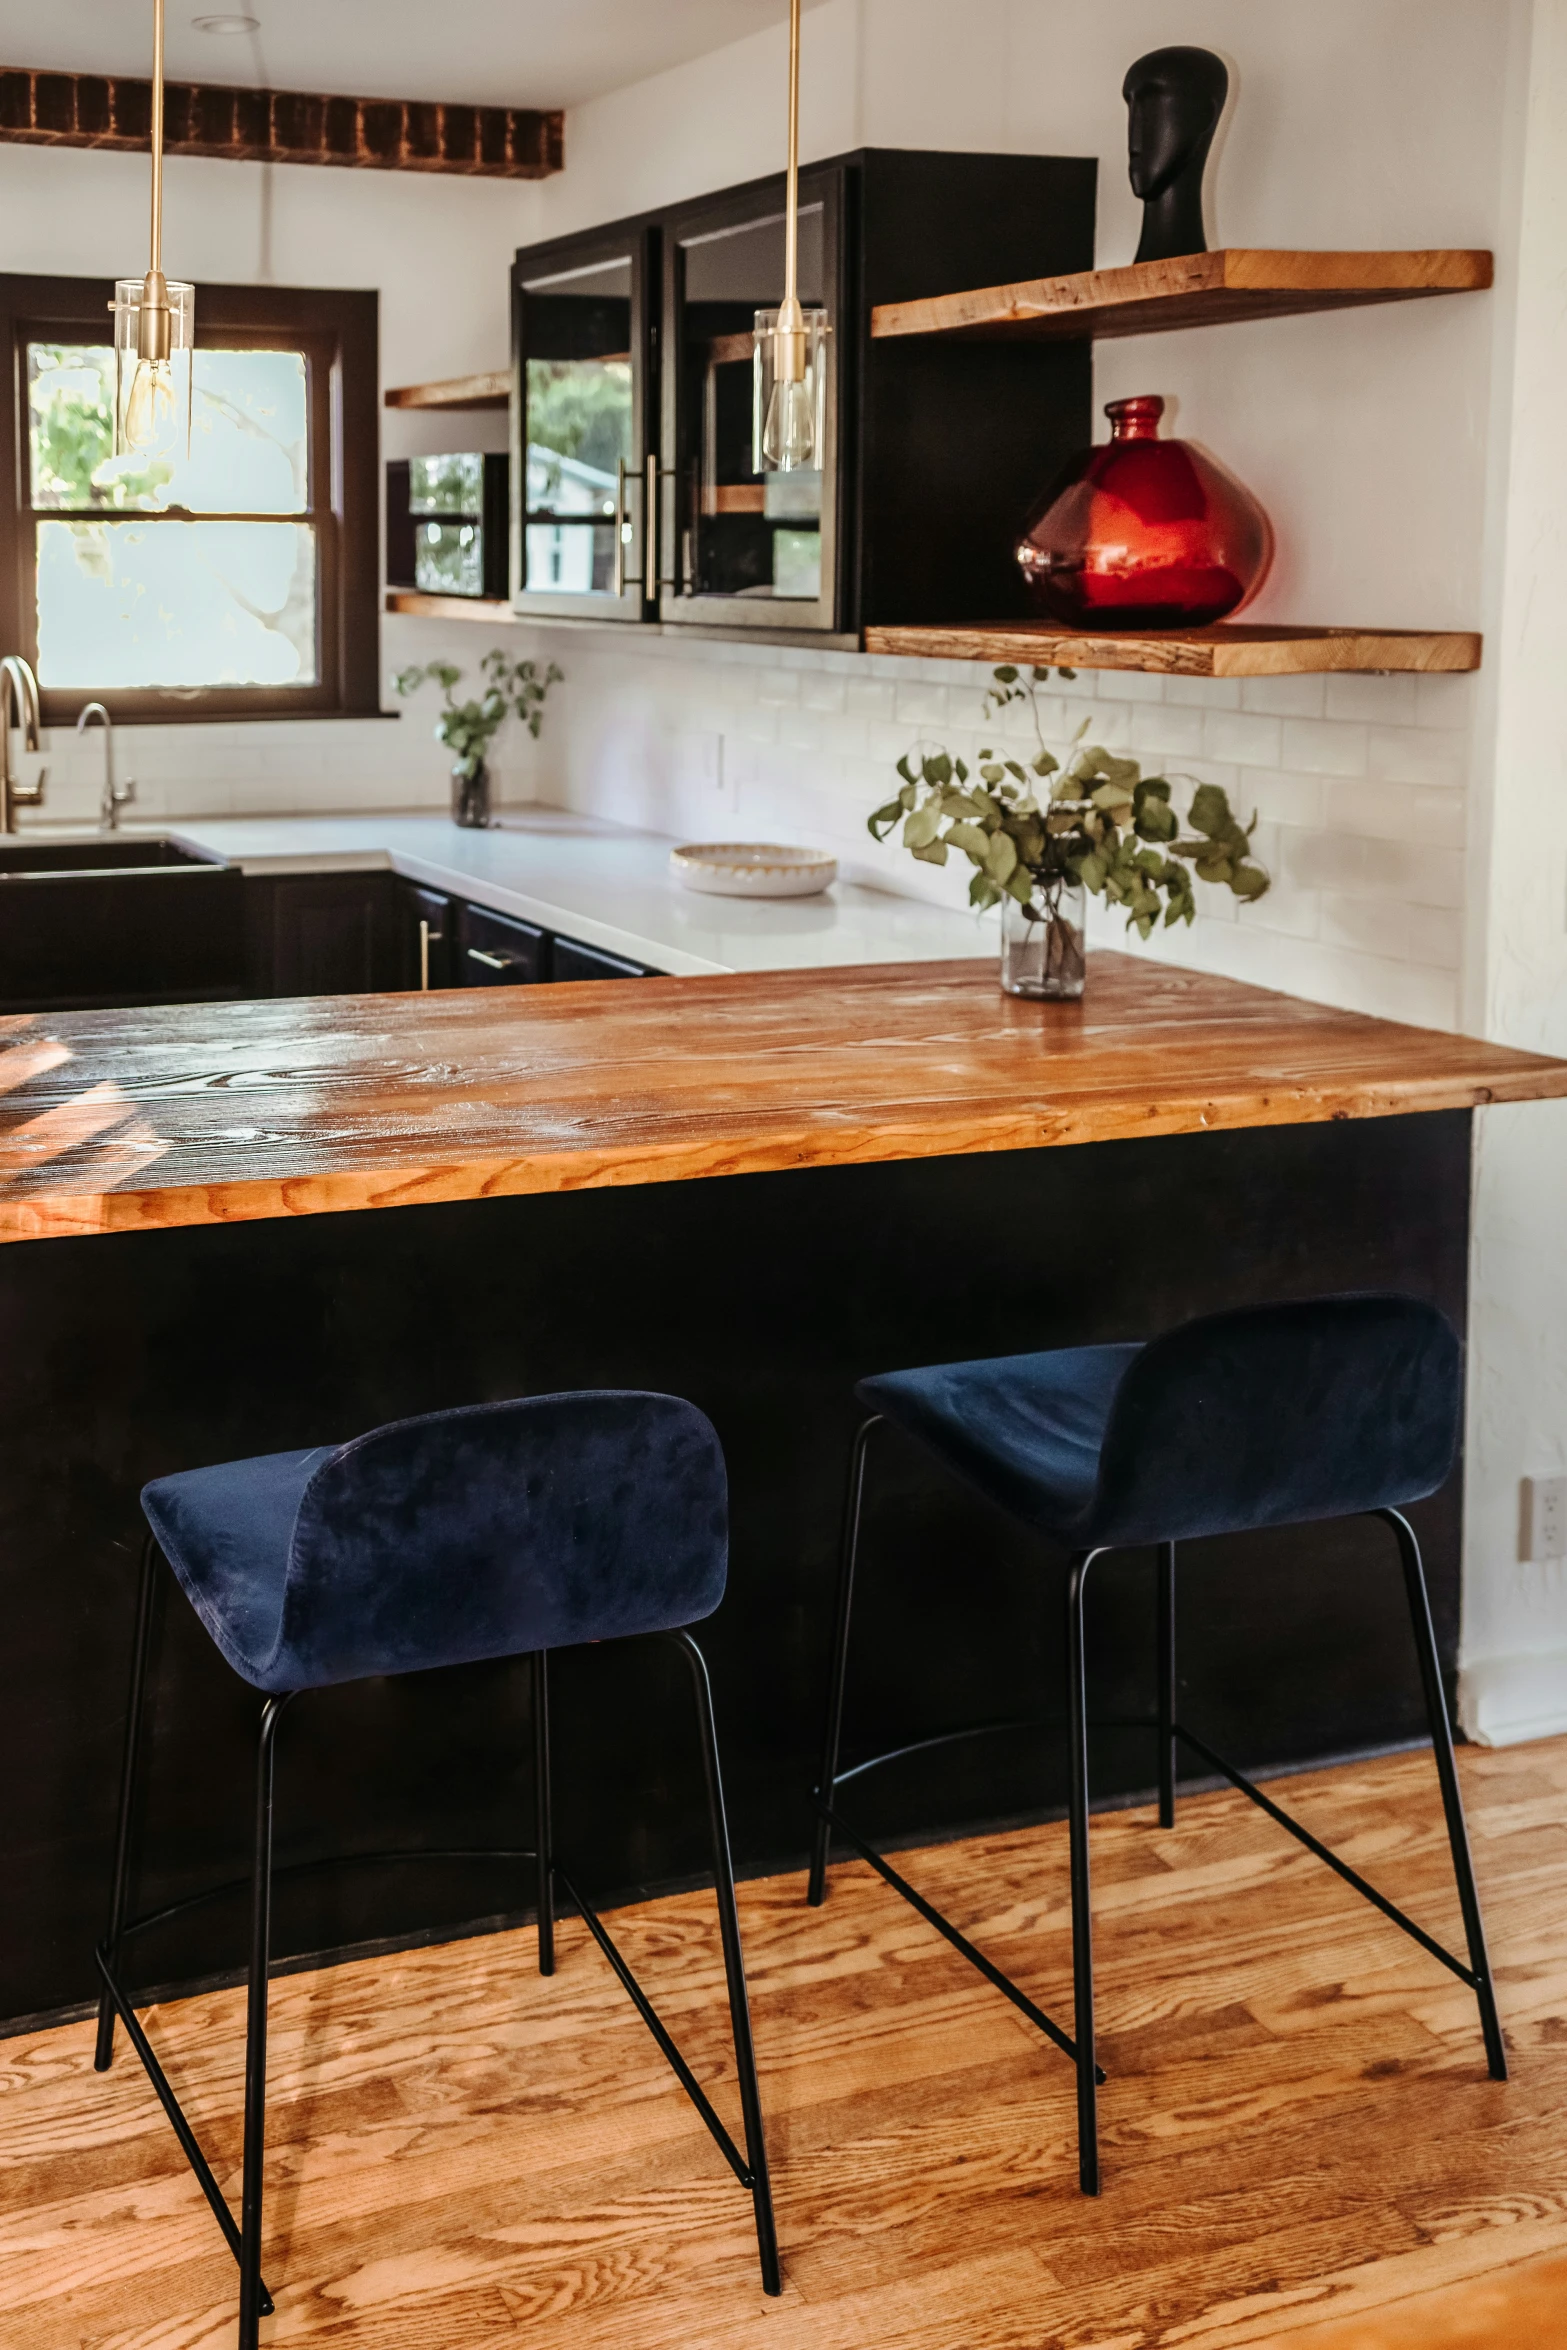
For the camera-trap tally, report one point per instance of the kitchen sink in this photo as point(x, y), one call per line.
point(117, 920)
point(113, 853)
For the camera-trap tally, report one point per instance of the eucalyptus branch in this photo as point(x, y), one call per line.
point(1034, 828)
point(515, 689)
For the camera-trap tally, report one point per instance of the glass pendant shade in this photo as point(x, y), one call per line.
point(789, 378)
point(153, 341)
point(1145, 533)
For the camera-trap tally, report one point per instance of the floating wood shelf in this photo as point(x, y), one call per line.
point(1226, 651)
point(1201, 289)
point(463, 391)
point(422, 607)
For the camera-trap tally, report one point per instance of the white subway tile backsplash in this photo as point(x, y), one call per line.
point(1283, 697)
point(1415, 754)
point(1382, 701)
point(1324, 746)
point(1242, 739)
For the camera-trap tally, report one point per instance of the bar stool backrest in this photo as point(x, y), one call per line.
point(503, 1528)
point(1274, 1415)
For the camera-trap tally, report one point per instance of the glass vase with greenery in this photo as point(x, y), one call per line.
point(513, 689)
point(1043, 834)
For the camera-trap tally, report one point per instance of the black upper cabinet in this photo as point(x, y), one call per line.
point(583, 429)
point(933, 451)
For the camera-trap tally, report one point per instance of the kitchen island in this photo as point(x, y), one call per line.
point(240, 1228)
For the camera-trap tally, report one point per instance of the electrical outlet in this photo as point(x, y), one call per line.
point(1542, 1524)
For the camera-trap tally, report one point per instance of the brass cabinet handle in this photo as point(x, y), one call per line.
point(424, 958)
point(492, 962)
point(618, 579)
point(650, 529)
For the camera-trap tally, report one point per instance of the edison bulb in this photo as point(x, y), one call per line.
point(152, 410)
point(789, 435)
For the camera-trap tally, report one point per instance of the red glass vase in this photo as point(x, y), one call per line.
point(1145, 533)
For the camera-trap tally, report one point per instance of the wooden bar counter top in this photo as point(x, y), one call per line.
point(221, 1113)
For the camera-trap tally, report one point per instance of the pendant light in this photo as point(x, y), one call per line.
point(788, 366)
point(154, 325)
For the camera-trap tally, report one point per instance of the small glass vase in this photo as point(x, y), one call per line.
point(1043, 951)
point(471, 798)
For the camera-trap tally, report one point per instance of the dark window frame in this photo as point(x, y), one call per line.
point(339, 332)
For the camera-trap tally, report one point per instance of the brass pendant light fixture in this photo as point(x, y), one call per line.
point(154, 325)
point(789, 371)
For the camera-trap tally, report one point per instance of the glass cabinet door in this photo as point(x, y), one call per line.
point(752, 545)
point(580, 443)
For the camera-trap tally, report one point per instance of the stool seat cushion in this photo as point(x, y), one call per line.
point(490, 1531)
point(1264, 1416)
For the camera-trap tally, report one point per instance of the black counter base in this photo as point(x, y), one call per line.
point(762, 1298)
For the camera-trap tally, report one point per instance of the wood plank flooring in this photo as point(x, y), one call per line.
point(1301, 2145)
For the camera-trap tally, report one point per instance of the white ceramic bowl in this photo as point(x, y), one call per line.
point(751, 869)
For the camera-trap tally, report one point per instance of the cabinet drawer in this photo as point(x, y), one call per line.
point(493, 950)
point(570, 959)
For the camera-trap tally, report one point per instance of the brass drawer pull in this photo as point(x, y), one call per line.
point(492, 962)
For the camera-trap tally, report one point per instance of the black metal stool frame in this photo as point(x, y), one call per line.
point(1171, 1733)
point(244, 2239)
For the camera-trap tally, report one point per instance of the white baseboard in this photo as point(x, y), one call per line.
point(1505, 1700)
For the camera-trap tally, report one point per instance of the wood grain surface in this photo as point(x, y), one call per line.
point(1198, 289)
point(1301, 2144)
point(458, 391)
point(201, 1114)
point(241, 124)
point(1232, 649)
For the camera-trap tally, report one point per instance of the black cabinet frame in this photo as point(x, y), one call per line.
point(637, 241)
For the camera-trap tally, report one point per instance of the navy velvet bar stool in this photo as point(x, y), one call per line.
point(1269, 1416)
point(507, 1529)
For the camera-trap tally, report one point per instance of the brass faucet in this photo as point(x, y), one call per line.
point(18, 707)
point(115, 795)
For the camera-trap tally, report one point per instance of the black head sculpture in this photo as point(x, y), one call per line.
point(1175, 98)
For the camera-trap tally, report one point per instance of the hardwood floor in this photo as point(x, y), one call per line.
point(1301, 2145)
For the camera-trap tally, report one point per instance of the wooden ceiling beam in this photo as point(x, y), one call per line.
point(281, 126)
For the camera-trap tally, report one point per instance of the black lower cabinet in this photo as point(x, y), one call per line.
point(427, 936)
point(570, 959)
point(495, 950)
point(87, 941)
point(322, 933)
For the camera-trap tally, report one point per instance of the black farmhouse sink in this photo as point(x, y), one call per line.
point(116, 921)
point(114, 853)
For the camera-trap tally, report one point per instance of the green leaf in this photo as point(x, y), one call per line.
point(932, 852)
point(885, 818)
point(982, 891)
point(1250, 881)
point(972, 839)
point(904, 769)
point(1020, 885)
point(1006, 675)
point(921, 825)
point(1001, 860)
point(938, 768)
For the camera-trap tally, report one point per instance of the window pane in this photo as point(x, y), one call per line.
point(449, 559)
point(249, 437)
point(446, 485)
point(176, 603)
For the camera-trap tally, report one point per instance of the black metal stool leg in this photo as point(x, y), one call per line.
point(251, 2290)
point(543, 1828)
point(1452, 1800)
point(734, 1969)
point(1166, 1572)
point(816, 1892)
point(103, 2055)
point(1082, 1911)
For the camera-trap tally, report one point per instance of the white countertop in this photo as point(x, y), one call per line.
point(602, 883)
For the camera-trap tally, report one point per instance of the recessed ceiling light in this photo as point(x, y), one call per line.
point(225, 24)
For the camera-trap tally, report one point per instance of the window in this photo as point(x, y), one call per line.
point(242, 581)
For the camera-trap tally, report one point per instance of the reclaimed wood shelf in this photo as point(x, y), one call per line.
point(460, 391)
point(1232, 649)
point(424, 607)
point(1200, 289)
